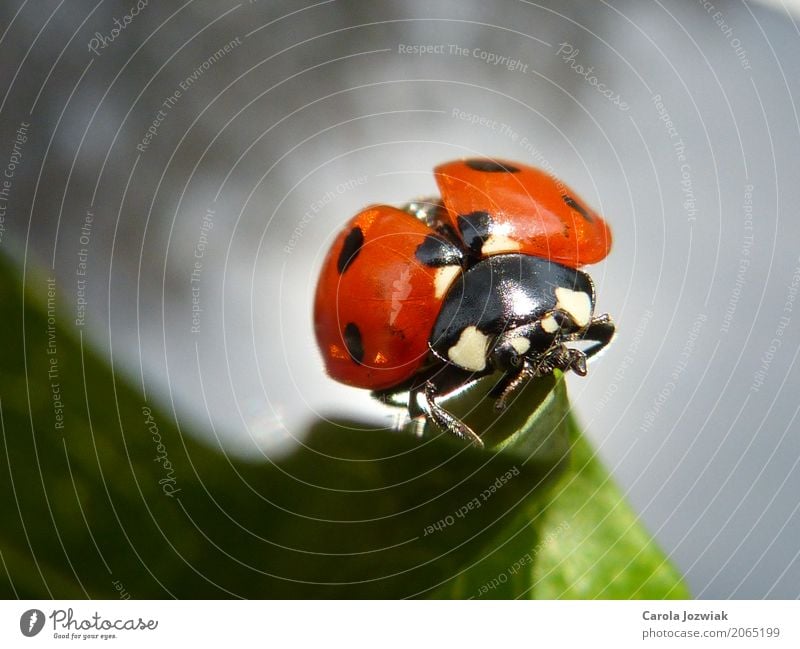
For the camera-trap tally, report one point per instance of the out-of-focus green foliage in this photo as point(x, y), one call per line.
point(102, 495)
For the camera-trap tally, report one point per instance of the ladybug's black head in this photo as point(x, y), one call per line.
point(514, 345)
point(533, 340)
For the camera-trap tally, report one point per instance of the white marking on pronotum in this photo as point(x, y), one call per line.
point(470, 350)
point(520, 344)
point(576, 303)
point(444, 278)
point(499, 243)
point(549, 324)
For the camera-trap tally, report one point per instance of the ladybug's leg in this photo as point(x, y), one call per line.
point(600, 331)
point(441, 417)
point(558, 356)
point(511, 382)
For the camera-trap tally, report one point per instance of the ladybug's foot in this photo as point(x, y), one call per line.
point(575, 361)
point(526, 372)
point(446, 421)
point(562, 358)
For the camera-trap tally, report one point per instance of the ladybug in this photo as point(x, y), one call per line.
point(429, 298)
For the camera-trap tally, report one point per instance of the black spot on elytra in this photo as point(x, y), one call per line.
point(482, 164)
point(353, 342)
point(580, 209)
point(448, 232)
point(475, 229)
point(436, 252)
point(350, 249)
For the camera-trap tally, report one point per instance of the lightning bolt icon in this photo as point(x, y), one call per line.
point(32, 620)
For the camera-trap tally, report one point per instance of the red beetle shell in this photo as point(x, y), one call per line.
point(376, 300)
point(385, 277)
point(531, 212)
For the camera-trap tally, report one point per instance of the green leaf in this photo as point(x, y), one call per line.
point(585, 541)
point(593, 544)
point(104, 495)
point(534, 429)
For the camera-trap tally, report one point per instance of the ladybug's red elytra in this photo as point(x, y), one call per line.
point(426, 299)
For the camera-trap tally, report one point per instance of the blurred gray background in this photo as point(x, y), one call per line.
point(217, 147)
